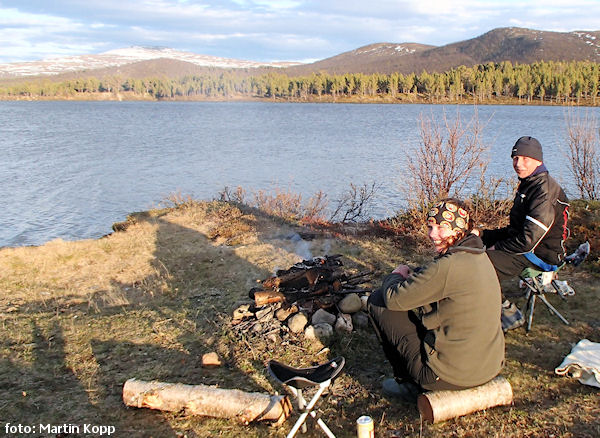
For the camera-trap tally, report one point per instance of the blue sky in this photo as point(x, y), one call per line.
point(267, 30)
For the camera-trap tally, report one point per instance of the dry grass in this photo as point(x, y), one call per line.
point(79, 318)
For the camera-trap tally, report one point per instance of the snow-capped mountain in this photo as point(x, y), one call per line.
point(120, 57)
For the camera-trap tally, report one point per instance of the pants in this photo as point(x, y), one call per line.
point(402, 336)
point(508, 265)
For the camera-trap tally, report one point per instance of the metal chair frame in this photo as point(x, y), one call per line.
point(295, 379)
point(537, 290)
point(540, 279)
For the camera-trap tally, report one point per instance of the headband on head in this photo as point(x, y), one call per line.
point(448, 215)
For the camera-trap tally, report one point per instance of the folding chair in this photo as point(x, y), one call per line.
point(539, 283)
point(297, 379)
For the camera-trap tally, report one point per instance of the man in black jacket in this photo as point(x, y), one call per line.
point(538, 223)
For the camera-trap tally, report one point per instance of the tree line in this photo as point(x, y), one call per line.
point(555, 82)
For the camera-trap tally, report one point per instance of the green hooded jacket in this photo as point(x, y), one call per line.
point(458, 298)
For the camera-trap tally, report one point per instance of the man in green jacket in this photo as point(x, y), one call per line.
point(440, 327)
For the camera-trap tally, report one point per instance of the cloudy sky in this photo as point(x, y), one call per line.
point(267, 30)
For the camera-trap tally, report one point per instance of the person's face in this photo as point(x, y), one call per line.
point(524, 166)
point(441, 237)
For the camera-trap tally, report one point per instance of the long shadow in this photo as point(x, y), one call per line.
point(44, 387)
point(187, 321)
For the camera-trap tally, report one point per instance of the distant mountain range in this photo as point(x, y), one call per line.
point(122, 58)
point(524, 46)
point(513, 44)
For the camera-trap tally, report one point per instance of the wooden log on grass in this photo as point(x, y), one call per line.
point(438, 406)
point(210, 401)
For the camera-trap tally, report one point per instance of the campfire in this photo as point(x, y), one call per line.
point(315, 296)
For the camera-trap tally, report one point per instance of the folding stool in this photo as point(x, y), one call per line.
point(297, 379)
point(539, 283)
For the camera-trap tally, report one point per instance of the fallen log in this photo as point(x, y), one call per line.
point(210, 401)
point(436, 406)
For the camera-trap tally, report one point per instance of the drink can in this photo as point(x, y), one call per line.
point(365, 427)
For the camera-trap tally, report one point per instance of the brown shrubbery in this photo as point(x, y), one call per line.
point(583, 153)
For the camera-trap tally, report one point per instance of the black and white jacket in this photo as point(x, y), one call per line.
point(538, 220)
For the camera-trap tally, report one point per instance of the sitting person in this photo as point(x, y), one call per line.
point(440, 325)
point(537, 230)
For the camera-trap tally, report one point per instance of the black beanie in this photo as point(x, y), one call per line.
point(528, 147)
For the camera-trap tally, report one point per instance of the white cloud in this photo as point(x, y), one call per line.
point(265, 30)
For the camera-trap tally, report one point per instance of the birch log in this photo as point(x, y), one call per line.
point(438, 406)
point(210, 401)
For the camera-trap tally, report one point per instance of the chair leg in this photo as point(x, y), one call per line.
point(308, 410)
point(553, 310)
point(323, 426)
point(530, 309)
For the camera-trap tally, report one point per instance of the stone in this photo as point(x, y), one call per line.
point(320, 332)
point(351, 303)
point(343, 324)
point(265, 314)
point(323, 316)
point(242, 312)
point(364, 300)
point(283, 313)
point(360, 320)
point(211, 360)
point(273, 338)
point(297, 322)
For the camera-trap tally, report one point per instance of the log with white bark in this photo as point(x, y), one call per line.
point(211, 401)
point(438, 406)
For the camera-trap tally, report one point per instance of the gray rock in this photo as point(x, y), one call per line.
point(323, 316)
point(265, 314)
point(364, 300)
point(343, 323)
point(360, 320)
point(297, 322)
point(351, 303)
point(320, 332)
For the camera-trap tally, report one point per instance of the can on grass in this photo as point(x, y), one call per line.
point(365, 427)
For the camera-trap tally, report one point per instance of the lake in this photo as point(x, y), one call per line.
point(71, 169)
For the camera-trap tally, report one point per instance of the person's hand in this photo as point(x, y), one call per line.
point(476, 232)
point(403, 270)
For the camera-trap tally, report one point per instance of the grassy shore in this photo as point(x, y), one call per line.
point(77, 319)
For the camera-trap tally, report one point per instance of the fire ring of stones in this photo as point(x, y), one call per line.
point(313, 297)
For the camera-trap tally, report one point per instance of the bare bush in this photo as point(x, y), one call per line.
point(237, 196)
point(444, 163)
point(315, 207)
point(583, 153)
point(280, 203)
point(178, 200)
point(491, 201)
point(354, 204)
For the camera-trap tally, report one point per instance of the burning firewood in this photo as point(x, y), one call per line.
point(307, 280)
point(308, 286)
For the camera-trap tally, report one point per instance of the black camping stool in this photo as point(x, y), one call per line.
point(539, 283)
point(297, 379)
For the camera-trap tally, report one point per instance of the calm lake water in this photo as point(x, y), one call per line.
point(71, 169)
